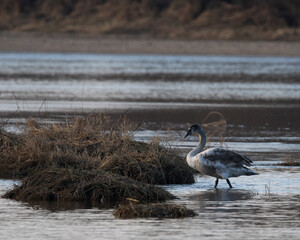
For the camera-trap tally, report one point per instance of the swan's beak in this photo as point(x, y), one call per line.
point(189, 132)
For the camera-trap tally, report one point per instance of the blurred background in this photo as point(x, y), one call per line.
point(191, 19)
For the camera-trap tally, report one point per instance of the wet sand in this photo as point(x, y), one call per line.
point(79, 43)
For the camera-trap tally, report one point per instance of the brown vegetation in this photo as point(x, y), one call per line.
point(150, 163)
point(290, 160)
point(91, 158)
point(192, 19)
point(93, 142)
point(155, 210)
point(60, 184)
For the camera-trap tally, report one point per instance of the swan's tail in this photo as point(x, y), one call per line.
point(250, 172)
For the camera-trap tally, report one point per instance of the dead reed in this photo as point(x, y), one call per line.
point(155, 210)
point(95, 185)
point(93, 142)
point(291, 160)
point(150, 163)
point(92, 158)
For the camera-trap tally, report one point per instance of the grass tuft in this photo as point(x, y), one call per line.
point(290, 160)
point(79, 185)
point(155, 210)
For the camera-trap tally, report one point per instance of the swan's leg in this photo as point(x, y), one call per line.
point(227, 180)
point(216, 183)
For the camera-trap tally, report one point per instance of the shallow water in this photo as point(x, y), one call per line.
point(43, 63)
point(258, 96)
point(265, 205)
point(86, 82)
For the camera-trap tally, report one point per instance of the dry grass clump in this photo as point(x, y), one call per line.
point(74, 184)
point(150, 163)
point(44, 146)
point(91, 158)
point(290, 160)
point(89, 143)
point(8, 144)
point(155, 210)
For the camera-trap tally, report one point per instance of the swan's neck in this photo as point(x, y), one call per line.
point(201, 144)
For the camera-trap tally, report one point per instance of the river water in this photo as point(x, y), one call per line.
point(259, 98)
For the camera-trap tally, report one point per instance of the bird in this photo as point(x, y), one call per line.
point(216, 162)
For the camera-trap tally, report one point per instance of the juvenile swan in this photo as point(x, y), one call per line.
point(216, 162)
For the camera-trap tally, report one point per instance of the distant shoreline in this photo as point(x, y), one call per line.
point(114, 44)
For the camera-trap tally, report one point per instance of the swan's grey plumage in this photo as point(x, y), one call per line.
point(217, 162)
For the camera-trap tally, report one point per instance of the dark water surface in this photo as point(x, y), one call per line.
point(258, 96)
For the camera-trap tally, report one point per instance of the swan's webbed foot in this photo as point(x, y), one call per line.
point(216, 183)
point(227, 180)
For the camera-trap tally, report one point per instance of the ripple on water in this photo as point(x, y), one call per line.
point(263, 205)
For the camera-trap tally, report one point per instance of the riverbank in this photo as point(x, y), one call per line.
point(113, 44)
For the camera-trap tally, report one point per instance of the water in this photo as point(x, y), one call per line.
point(265, 205)
point(258, 96)
point(87, 82)
point(40, 63)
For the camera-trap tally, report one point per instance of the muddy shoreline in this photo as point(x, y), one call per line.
point(113, 44)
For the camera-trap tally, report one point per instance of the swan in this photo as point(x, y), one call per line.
point(216, 162)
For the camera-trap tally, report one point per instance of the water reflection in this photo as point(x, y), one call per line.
point(68, 205)
point(222, 195)
point(221, 212)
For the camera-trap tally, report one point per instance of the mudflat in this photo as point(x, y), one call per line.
point(124, 44)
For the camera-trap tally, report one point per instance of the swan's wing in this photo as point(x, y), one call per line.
point(226, 157)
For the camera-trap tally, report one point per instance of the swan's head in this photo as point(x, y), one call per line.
point(192, 130)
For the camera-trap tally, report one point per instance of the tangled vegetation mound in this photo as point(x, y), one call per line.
point(91, 158)
point(155, 210)
point(150, 163)
point(75, 184)
point(90, 143)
